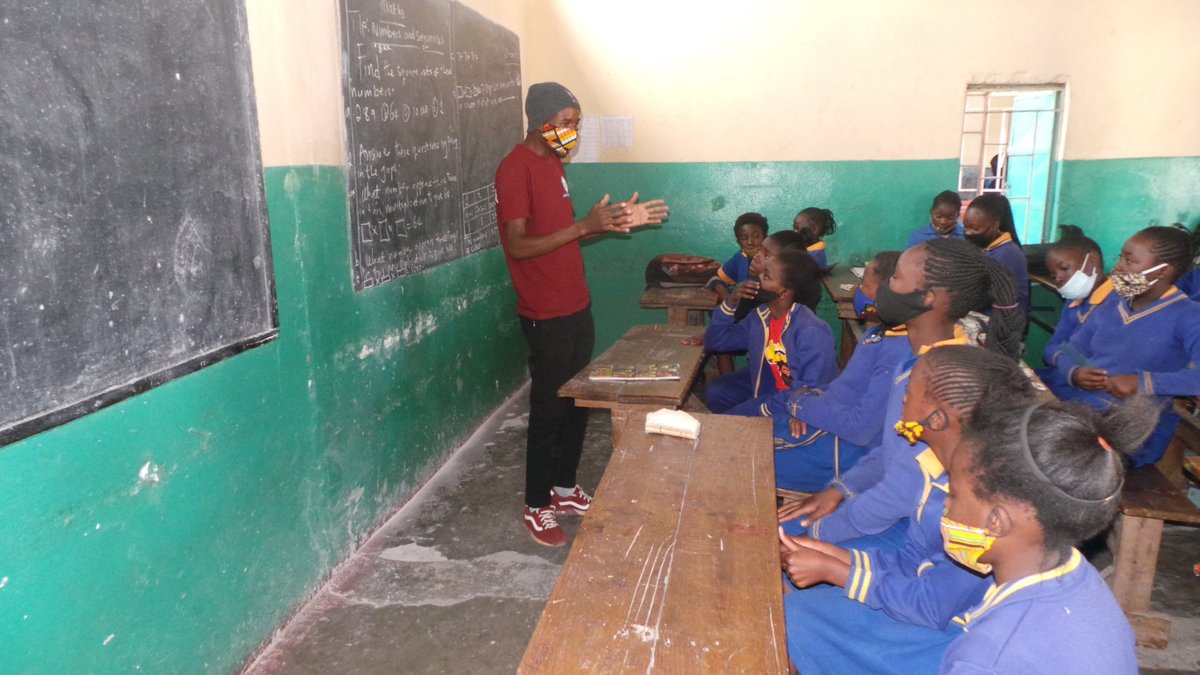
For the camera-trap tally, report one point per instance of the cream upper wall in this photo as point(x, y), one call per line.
point(297, 63)
point(868, 79)
point(778, 80)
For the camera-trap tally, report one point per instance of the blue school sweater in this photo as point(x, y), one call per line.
point(927, 233)
point(736, 269)
point(1061, 621)
point(853, 405)
point(817, 251)
point(1074, 315)
point(1190, 284)
point(1010, 256)
point(917, 584)
point(807, 339)
point(1161, 344)
point(894, 481)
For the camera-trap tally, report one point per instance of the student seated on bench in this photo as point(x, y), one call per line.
point(787, 346)
point(988, 223)
point(828, 429)
point(1076, 267)
point(935, 286)
point(1026, 487)
point(943, 220)
point(905, 599)
point(1143, 339)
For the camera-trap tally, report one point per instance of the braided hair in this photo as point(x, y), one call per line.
point(801, 275)
point(822, 218)
point(962, 376)
point(995, 206)
point(751, 218)
point(1064, 459)
point(1171, 245)
point(974, 281)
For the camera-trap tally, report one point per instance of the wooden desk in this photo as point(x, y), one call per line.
point(851, 328)
point(641, 344)
point(679, 302)
point(676, 566)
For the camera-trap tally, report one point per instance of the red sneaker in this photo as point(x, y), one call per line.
point(544, 527)
point(574, 504)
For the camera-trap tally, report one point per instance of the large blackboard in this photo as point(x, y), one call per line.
point(432, 94)
point(133, 231)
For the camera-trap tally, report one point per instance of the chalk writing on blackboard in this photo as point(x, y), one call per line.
point(427, 122)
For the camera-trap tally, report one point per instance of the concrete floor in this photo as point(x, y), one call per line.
point(453, 584)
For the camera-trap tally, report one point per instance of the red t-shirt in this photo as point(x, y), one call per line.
point(535, 188)
point(776, 354)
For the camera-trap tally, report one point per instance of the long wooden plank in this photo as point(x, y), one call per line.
point(642, 344)
point(676, 567)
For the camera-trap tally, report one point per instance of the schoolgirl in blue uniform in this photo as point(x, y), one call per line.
point(828, 429)
point(1145, 338)
point(815, 224)
point(935, 285)
point(905, 599)
point(750, 229)
point(787, 346)
point(988, 223)
point(1076, 267)
point(1028, 484)
point(943, 220)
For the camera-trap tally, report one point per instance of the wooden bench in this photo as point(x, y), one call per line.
point(680, 303)
point(641, 344)
point(676, 567)
point(1152, 495)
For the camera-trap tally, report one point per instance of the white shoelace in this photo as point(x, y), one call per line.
point(546, 518)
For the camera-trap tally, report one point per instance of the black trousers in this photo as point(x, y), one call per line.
point(558, 349)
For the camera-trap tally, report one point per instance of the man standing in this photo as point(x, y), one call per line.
point(541, 237)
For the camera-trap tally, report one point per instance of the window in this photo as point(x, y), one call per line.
point(1010, 145)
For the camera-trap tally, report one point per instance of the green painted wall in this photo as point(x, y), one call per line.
point(273, 464)
point(876, 205)
point(1111, 199)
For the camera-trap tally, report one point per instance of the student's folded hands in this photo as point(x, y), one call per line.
point(808, 562)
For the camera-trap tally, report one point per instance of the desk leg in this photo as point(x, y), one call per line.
point(1135, 542)
point(847, 345)
point(677, 316)
point(619, 417)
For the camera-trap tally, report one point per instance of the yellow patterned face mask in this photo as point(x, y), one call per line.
point(966, 545)
point(561, 140)
point(911, 431)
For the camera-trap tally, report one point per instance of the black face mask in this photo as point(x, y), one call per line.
point(899, 308)
point(979, 240)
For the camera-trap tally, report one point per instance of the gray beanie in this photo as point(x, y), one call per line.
point(544, 100)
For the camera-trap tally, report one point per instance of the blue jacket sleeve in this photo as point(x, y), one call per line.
point(1185, 382)
point(724, 334)
point(881, 505)
point(1078, 341)
point(924, 592)
point(1067, 325)
point(852, 406)
point(863, 475)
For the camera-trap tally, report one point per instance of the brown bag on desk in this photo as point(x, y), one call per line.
point(674, 270)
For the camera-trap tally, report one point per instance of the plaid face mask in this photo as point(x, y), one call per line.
point(560, 139)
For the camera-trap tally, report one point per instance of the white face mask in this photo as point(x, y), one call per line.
point(1080, 284)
